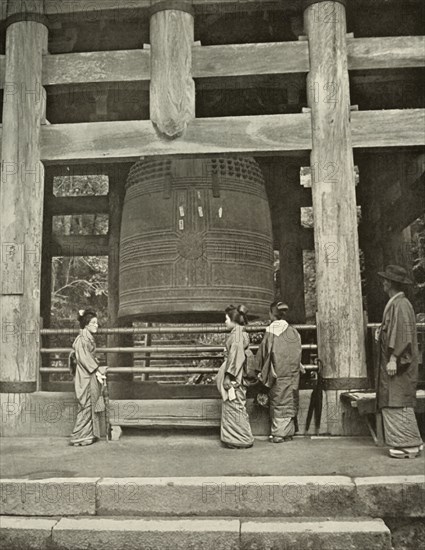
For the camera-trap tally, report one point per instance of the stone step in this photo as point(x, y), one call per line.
point(238, 496)
point(106, 533)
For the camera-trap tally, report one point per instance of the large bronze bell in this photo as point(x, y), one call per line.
point(196, 235)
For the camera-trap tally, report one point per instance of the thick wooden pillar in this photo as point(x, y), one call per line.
point(339, 299)
point(22, 181)
point(172, 89)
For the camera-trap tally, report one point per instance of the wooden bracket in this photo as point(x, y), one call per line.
point(305, 175)
point(307, 216)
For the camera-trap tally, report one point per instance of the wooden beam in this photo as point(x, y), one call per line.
point(105, 169)
point(386, 52)
point(338, 286)
point(252, 59)
point(257, 135)
point(219, 61)
point(80, 245)
point(96, 67)
point(131, 8)
point(172, 89)
point(388, 128)
point(101, 141)
point(121, 8)
point(63, 206)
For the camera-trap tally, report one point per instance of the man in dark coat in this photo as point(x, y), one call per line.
point(279, 365)
point(398, 367)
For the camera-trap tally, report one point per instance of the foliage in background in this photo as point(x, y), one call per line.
point(79, 282)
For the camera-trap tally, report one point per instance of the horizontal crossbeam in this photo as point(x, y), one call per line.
point(219, 61)
point(251, 135)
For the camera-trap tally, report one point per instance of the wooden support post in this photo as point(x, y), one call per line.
point(22, 182)
point(116, 199)
point(339, 299)
point(385, 182)
point(290, 242)
point(372, 188)
point(46, 266)
point(285, 197)
point(172, 89)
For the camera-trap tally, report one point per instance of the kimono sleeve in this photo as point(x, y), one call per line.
point(85, 356)
point(236, 357)
point(401, 333)
point(262, 353)
point(267, 373)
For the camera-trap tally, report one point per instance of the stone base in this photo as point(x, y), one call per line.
point(192, 533)
point(53, 414)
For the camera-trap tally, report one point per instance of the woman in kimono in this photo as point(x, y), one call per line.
point(235, 432)
point(279, 364)
point(398, 367)
point(88, 380)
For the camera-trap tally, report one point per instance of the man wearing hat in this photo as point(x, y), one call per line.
point(398, 367)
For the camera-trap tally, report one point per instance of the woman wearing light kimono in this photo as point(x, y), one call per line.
point(279, 365)
point(88, 380)
point(235, 432)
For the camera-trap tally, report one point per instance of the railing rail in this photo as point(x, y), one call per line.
point(194, 329)
point(169, 351)
point(159, 349)
point(159, 370)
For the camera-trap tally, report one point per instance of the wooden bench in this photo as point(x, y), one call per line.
point(365, 403)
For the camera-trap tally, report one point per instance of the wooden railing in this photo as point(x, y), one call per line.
point(178, 353)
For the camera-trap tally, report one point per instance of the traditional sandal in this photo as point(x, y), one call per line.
point(413, 452)
point(82, 444)
point(277, 439)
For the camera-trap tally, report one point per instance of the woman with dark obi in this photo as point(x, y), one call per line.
point(231, 380)
point(398, 367)
point(279, 364)
point(88, 380)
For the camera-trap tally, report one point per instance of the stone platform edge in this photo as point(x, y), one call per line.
point(260, 496)
point(181, 533)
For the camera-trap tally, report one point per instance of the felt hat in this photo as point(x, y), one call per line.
point(397, 274)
